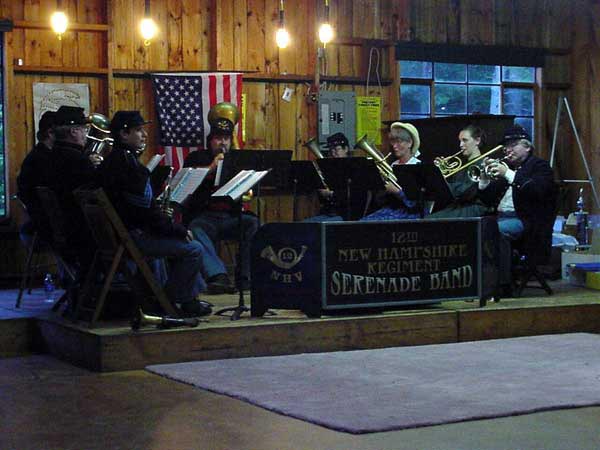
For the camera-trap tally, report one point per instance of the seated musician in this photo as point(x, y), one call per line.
point(217, 219)
point(330, 209)
point(465, 191)
point(523, 188)
point(34, 173)
point(68, 169)
point(126, 182)
point(404, 142)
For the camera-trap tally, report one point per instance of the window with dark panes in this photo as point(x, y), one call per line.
point(434, 89)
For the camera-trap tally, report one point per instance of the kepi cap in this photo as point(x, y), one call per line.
point(337, 139)
point(222, 127)
point(515, 133)
point(70, 115)
point(123, 120)
point(46, 121)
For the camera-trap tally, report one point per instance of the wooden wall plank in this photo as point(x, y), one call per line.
point(240, 29)
point(475, 19)
point(194, 32)
point(503, 22)
point(271, 26)
point(122, 18)
point(175, 35)
point(255, 123)
point(256, 35)
point(157, 54)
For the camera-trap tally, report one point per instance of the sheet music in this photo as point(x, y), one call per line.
point(154, 161)
point(219, 171)
point(186, 182)
point(240, 184)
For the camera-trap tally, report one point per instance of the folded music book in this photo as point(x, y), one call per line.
point(154, 161)
point(185, 182)
point(240, 184)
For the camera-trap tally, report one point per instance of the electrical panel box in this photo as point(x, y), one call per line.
point(337, 114)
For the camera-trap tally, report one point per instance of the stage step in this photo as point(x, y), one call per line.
point(119, 348)
point(113, 346)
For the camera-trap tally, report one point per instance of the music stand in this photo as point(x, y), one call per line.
point(423, 182)
point(350, 175)
point(304, 179)
point(276, 161)
point(235, 200)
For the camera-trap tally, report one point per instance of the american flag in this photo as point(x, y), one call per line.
point(182, 103)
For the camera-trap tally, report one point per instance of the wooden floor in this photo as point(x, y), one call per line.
point(113, 346)
point(47, 403)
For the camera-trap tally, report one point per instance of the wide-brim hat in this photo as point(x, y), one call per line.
point(412, 130)
point(70, 115)
point(515, 133)
point(124, 120)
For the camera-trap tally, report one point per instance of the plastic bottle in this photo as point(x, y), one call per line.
point(49, 287)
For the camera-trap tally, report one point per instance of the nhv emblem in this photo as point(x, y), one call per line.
point(285, 258)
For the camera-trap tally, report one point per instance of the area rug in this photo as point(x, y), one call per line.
point(366, 391)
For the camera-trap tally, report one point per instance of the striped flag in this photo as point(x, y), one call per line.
point(182, 103)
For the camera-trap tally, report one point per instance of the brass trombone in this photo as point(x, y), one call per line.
point(385, 169)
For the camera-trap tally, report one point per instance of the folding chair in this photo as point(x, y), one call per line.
point(36, 249)
point(115, 249)
point(64, 255)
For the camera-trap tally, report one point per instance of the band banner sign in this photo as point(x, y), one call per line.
point(343, 265)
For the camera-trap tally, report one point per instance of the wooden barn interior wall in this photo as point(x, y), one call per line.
point(106, 52)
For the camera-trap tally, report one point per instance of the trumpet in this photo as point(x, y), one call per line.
point(385, 169)
point(476, 175)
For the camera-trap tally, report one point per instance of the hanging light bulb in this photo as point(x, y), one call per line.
point(282, 37)
point(59, 23)
point(326, 30)
point(148, 27)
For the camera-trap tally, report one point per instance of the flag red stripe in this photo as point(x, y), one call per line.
point(227, 88)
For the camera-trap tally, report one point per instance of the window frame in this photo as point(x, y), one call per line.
point(431, 82)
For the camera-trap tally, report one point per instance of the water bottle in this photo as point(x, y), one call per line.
point(49, 287)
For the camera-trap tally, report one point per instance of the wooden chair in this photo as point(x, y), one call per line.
point(115, 248)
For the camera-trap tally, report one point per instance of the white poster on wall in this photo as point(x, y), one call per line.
point(51, 96)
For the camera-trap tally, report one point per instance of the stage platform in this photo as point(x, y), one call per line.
point(113, 346)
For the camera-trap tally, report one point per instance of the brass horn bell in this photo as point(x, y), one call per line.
point(98, 140)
